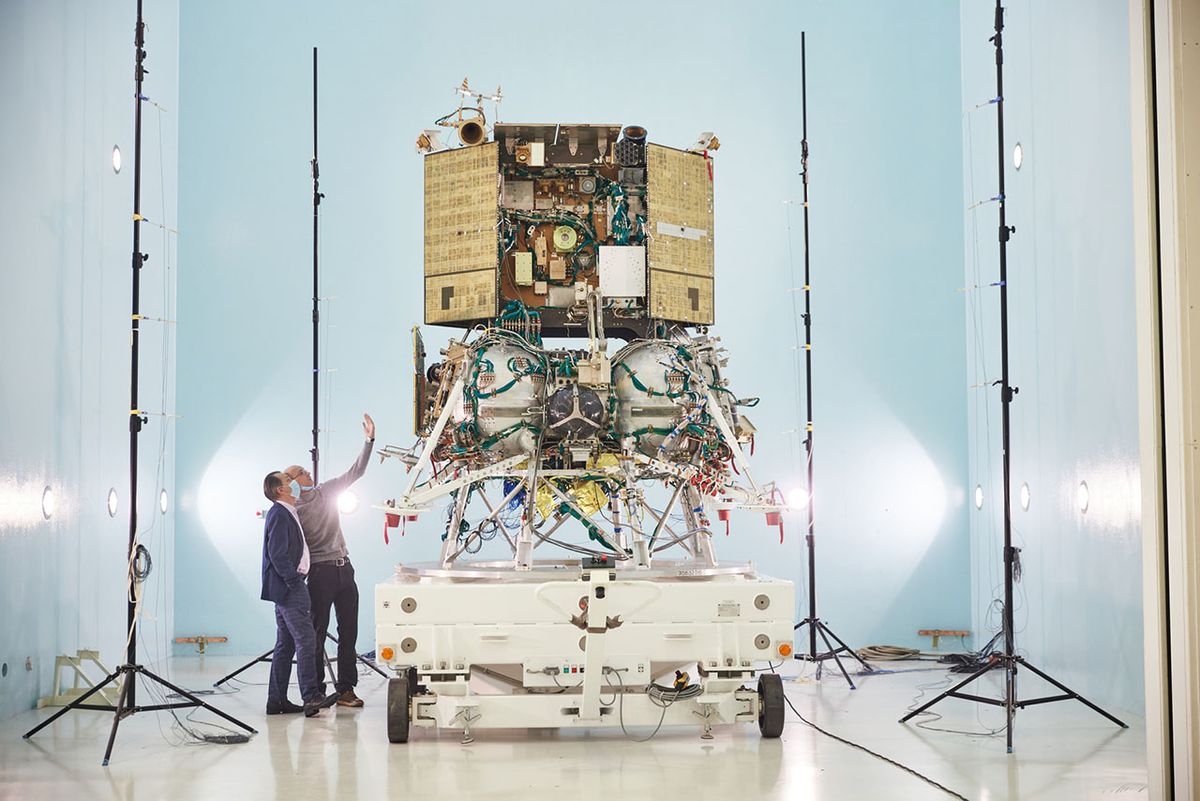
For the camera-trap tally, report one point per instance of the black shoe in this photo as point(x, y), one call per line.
point(328, 701)
point(311, 708)
point(284, 707)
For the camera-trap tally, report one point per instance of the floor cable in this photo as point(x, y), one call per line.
point(875, 754)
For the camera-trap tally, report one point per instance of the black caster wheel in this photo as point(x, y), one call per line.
point(399, 702)
point(770, 705)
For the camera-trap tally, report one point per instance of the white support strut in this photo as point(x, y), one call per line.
point(714, 408)
point(431, 442)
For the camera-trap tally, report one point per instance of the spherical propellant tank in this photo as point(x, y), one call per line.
point(648, 386)
point(506, 385)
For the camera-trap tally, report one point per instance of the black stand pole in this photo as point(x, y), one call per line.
point(1008, 661)
point(126, 675)
point(815, 626)
point(316, 318)
point(316, 314)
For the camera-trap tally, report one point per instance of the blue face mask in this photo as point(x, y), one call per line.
point(295, 485)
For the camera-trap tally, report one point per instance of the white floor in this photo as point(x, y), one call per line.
point(1064, 752)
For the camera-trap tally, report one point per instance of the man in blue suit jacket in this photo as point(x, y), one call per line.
point(285, 563)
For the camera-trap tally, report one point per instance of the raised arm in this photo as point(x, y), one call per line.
point(359, 467)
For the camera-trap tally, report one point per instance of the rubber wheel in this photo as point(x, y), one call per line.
point(770, 705)
point(398, 704)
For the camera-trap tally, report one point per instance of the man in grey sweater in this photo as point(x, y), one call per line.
point(331, 576)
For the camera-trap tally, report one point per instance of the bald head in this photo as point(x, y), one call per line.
point(300, 475)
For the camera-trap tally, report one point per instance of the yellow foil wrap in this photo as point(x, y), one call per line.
point(589, 495)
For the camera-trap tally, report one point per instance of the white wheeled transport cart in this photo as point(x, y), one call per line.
point(582, 644)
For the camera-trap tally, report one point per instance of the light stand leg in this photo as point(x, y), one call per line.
point(834, 655)
point(1071, 693)
point(75, 704)
point(266, 657)
point(817, 628)
point(952, 691)
point(866, 668)
point(118, 712)
point(195, 701)
point(1011, 701)
point(125, 707)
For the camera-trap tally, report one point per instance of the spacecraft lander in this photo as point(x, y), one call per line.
point(601, 476)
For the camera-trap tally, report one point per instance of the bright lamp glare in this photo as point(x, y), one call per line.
point(978, 497)
point(116, 159)
point(162, 501)
point(347, 502)
point(1083, 496)
point(1018, 155)
point(1025, 497)
point(112, 502)
point(797, 499)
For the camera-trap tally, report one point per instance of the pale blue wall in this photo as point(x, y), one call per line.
point(65, 245)
point(1078, 610)
point(890, 358)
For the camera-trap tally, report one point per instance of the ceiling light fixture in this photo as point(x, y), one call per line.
point(48, 503)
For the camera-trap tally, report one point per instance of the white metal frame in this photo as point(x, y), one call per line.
point(620, 534)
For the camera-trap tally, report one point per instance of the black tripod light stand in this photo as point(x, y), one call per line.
point(1009, 661)
point(317, 195)
point(128, 673)
point(816, 627)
